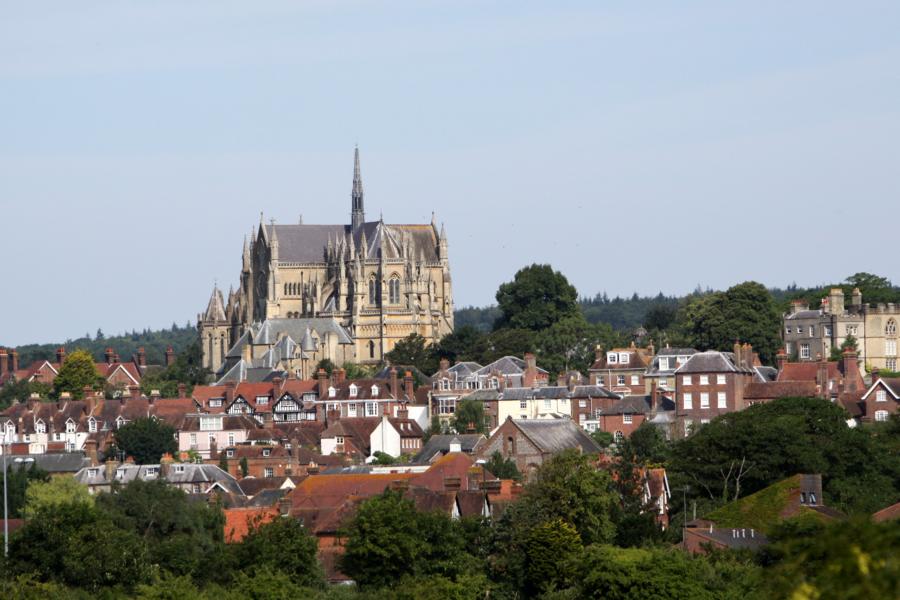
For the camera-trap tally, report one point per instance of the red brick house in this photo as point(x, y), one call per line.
point(621, 370)
point(710, 384)
point(882, 399)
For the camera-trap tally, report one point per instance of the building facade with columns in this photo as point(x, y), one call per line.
point(375, 282)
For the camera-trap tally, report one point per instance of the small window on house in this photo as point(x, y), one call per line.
point(353, 390)
point(523, 404)
point(179, 468)
point(623, 358)
point(269, 472)
point(70, 427)
point(787, 330)
point(331, 392)
point(804, 351)
point(891, 328)
point(722, 400)
point(619, 437)
point(339, 439)
point(92, 425)
point(704, 400)
point(351, 410)
point(262, 400)
point(812, 498)
point(394, 290)
point(802, 497)
point(39, 427)
point(812, 331)
point(215, 402)
point(704, 380)
point(890, 347)
point(266, 452)
point(548, 403)
point(374, 391)
point(881, 415)
point(688, 402)
point(685, 380)
point(612, 358)
point(827, 331)
point(582, 403)
point(371, 409)
point(627, 419)
point(880, 396)
point(620, 380)
point(229, 453)
point(600, 380)
point(93, 472)
point(635, 380)
point(720, 379)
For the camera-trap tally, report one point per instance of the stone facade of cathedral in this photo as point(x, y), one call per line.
point(349, 292)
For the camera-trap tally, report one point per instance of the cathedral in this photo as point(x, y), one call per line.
point(343, 292)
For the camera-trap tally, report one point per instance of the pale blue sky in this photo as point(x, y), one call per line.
point(635, 146)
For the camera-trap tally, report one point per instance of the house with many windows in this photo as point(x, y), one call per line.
point(621, 370)
point(882, 399)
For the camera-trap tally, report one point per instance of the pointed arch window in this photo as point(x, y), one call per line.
point(371, 349)
point(373, 291)
point(890, 329)
point(394, 290)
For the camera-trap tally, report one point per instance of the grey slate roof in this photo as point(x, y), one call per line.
point(465, 368)
point(654, 369)
point(710, 361)
point(556, 435)
point(304, 243)
point(295, 328)
point(804, 314)
point(765, 374)
point(63, 462)
point(441, 444)
point(508, 365)
point(629, 405)
point(190, 473)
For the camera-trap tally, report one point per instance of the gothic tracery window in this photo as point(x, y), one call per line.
point(394, 290)
point(891, 328)
point(373, 296)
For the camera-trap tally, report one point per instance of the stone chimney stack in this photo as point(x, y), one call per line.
point(141, 357)
point(111, 466)
point(110, 356)
point(182, 390)
point(654, 398)
point(849, 363)
point(170, 356)
point(213, 449)
point(822, 376)
point(13, 360)
point(561, 380)
point(856, 298)
point(154, 396)
point(61, 354)
point(836, 301)
point(4, 362)
point(269, 420)
point(876, 375)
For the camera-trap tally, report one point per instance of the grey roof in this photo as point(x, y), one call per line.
point(654, 369)
point(215, 310)
point(556, 435)
point(270, 330)
point(63, 462)
point(804, 314)
point(592, 391)
point(465, 368)
point(189, 473)
point(764, 374)
point(710, 361)
point(236, 350)
point(304, 243)
point(483, 395)
point(307, 344)
point(629, 405)
point(735, 538)
point(508, 365)
point(269, 497)
point(441, 444)
point(549, 392)
point(516, 393)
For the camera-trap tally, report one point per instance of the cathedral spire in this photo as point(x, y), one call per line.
point(246, 256)
point(358, 214)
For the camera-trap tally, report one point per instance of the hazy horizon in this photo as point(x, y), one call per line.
point(635, 148)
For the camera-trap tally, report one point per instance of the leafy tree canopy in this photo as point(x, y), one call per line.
point(414, 350)
point(502, 468)
point(146, 440)
point(535, 299)
point(77, 371)
point(469, 414)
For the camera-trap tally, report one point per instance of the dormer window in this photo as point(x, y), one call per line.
point(40, 427)
point(179, 468)
point(623, 358)
point(262, 400)
point(120, 473)
point(353, 390)
point(266, 452)
point(374, 391)
point(332, 392)
point(612, 358)
point(92, 425)
point(494, 384)
point(93, 473)
point(229, 453)
point(215, 402)
point(10, 430)
point(120, 422)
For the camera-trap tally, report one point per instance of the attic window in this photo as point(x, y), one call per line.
point(179, 468)
point(266, 452)
point(331, 392)
point(612, 358)
point(70, 426)
point(93, 473)
point(339, 439)
point(623, 358)
point(374, 391)
point(262, 400)
point(229, 453)
point(353, 390)
point(40, 427)
point(92, 425)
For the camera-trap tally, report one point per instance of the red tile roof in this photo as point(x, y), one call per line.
point(887, 514)
point(239, 521)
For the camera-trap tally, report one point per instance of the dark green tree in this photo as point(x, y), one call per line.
point(604, 439)
point(383, 458)
point(553, 550)
point(146, 439)
point(569, 344)
point(415, 351)
point(77, 371)
point(326, 365)
point(283, 545)
point(535, 299)
point(223, 462)
point(745, 312)
point(469, 414)
point(502, 468)
point(245, 468)
point(837, 352)
point(460, 345)
point(660, 317)
point(504, 342)
point(18, 478)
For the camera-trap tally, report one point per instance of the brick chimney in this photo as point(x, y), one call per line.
point(90, 451)
point(229, 392)
point(284, 505)
point(736, 350)
point(154, 396)
point(134, 391)
point(295, 447)
point(561, 380)
point(395, 391)
point(277, 387)
point(403, 411)
point(61, 354)
point(781, 359)
point(876, 375)
point(491, 486)
point(452, 484)
point(268, 420)
point(90, 401)
point(654, 398)
point(322, 376)
point(182, 390)
point(340, 375)
point(110, 356)
point(849, 363)
point(409, 385)
point(598, 353)
point(141, 357)
point(822, 376)
point(213, 449)
point(13, 360)
point(170, 356)
point(4, 362)
point(530, 370)
point(111, 466)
